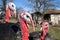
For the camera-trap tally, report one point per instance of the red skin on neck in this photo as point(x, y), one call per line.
point(24, 29)
point(8, 15)
point(45, 30)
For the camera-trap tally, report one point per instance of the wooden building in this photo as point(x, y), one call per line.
point(52, 16)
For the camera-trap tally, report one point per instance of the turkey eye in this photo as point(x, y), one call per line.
point(27, 16)
point(46, 25)
point(12, 5)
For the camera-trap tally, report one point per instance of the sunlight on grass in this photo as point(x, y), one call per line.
point(36, 28)
point(13, 20)
point(55, 32)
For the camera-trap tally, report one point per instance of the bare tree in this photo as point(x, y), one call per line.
point(4, 2)
point(47, 4)
point(41, 5)
point(18, 11)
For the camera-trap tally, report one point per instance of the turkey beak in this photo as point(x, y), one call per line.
point(15, 13)
point(32, 23)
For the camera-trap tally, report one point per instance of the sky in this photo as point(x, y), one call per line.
point(25, 4)
point(22, 3)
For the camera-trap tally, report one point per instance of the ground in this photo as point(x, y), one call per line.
point(54, 31)
point(6, 34)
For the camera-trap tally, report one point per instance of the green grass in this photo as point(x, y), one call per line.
point(13, 20)
point(36, 28)
point(54, 31)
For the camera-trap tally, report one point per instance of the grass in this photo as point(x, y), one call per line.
point(13, 20)
point(54, 31)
